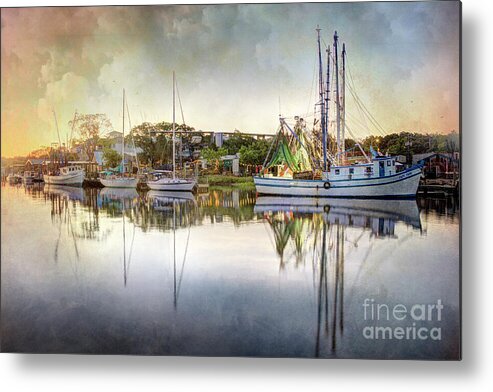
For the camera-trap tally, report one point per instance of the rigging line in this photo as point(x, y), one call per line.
point(363, 105)
point(271, 145)
point(132, 137)
point(352, 90)
point(360, 123)
point(73, 126)
point(364, 113)
point(312, 88)
point(179, 102)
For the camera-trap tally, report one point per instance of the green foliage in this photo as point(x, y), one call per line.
point(156, 148)
point(111, 158)
point(397, 143)
point(255, 153)
point(211, 155)
point(238, 140)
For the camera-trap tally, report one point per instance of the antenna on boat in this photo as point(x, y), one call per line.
point(338, 107)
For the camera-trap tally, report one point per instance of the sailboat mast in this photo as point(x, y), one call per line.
point(343, 103)
point(322, 100)
point(123, 135)
point(338, 106)
point(174, 158)
point(327, 95)
point(59, 140)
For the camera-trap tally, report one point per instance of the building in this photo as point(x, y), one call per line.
point(35, 164)
point(439, 165)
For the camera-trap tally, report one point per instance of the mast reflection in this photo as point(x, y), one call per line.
point(316, 229)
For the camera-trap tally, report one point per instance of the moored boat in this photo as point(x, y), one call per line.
point(162, 183)
point(121, 180)
point(68, 175)
point(330, 173)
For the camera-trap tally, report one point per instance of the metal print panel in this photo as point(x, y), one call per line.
point(262, 180)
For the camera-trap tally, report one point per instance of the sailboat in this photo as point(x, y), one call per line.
point(174, 183)
point(120, 181)
point(68, 175)
point(375, 177)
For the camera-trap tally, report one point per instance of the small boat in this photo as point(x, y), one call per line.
point(162, 183)
point(305, 174)
point(68, 175)
point(171, 184)
point(120, 180)
point(14, 179)
point(31, 177)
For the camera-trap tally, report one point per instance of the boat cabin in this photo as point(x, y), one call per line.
point(379, 167)
point(70, 169)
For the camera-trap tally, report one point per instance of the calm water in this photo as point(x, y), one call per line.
point(227, 273)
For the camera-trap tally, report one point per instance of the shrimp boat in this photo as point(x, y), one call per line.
point(120, 180)
point(174, 183)
point(332, 175)
point(68, 175)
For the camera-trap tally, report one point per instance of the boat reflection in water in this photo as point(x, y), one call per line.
point(175, 203)
point(227, 273)
point(316, 230)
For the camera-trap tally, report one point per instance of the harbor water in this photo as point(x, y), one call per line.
point(228, 273)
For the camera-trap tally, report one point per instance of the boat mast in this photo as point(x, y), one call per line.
point(59, 140)
point(123, 135)
point(343, 103)
point(338, 107)
point(174, 171)
point(322, 100)
point(327, 95)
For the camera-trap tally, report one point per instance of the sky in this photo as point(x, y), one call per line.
point(237, 66)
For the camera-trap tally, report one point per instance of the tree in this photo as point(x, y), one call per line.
point(213, 156)
point(156, 145)
point(234, 143)
point(111, 157)
point(90, 127)
point(255, 153)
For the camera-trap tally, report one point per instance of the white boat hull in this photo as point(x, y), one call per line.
point(171, 185)
point(119, 182)
point(403, 184)
point(73, 179)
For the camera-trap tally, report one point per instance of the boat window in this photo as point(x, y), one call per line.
point(337, 171)
point(393, 163)
point(368, 169)
point(351, 170)
point(388, 163)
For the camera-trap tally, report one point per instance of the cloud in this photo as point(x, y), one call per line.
point(233, 62)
